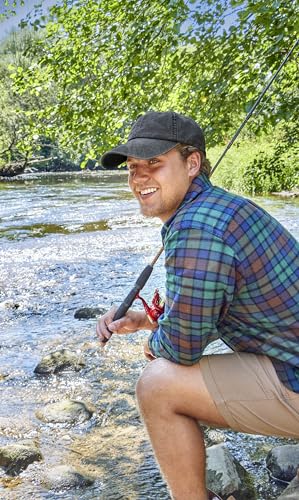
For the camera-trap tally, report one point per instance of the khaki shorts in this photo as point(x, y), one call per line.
point(250, 396)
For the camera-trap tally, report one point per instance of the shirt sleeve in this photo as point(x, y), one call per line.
point(200, 284)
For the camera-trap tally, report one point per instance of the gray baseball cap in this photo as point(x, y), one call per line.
point(155, 133)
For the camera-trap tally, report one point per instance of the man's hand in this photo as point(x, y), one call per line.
point(131, 322)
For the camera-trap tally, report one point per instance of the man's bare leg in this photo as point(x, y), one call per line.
point(172, 398)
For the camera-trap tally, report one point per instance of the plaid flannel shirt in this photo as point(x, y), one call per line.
point(232, 272)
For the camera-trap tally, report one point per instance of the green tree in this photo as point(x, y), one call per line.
point(18, 148)
point(9, 8)
point(13, 107)
point(110, 61)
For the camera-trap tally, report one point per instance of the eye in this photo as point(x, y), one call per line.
point(131, 168)
point(153, 161)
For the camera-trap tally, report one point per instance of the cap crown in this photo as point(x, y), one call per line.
point(168, 126)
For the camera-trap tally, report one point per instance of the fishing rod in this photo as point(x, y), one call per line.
point(139, 284)
point(255, 105)
point(142, 279)
point(153, 312)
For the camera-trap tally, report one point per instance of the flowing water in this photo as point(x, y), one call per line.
point(66, 242)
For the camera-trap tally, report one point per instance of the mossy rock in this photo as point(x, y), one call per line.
point(59, 360)
point(16, 457)
point(65, 411)
point(65, 476)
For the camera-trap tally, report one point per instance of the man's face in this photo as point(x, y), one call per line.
point(160, 184)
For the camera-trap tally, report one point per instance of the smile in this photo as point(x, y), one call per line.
point(143, 192)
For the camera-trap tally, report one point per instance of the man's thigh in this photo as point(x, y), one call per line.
point(249, 395)
point(174, 388)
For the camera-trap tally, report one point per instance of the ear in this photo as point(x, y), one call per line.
point(194, 162)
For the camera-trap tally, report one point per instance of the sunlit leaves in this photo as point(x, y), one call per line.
point(105, 62)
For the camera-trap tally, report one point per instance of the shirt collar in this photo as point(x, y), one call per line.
point(199, 184)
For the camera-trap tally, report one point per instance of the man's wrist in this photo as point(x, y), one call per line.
point(150, 325)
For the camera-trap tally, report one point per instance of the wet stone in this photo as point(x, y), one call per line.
point(89, 312)
point(283, 462)
point(65, 411)
point(58, 361)
point(292, 491)
point(14, 458)
point(226, 476)
point(65, 476)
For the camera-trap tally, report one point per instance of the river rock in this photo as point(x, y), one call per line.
point(59, 360)
point(283, 462)
point(89, 312)
point(292, 491)
point(65, 476)
point(226, 476)
point(16, 457)
point(9, 304)
point(65, 411)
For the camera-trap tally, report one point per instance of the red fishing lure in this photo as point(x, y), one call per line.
point(156, 308)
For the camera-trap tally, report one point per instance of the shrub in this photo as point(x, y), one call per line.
point(260, 165)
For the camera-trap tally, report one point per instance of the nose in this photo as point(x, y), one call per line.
point(141, 173)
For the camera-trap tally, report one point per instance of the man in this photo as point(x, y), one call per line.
point(232, 272)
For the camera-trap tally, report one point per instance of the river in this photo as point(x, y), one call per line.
point(66, 242)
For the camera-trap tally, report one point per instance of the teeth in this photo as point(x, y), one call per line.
point(148, 191)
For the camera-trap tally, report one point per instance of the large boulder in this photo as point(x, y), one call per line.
point(57, 361)
point(226, 476)
point(16, 457)
point(283, 462)
point(65, 411)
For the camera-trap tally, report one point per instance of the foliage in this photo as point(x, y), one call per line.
point(105, 62)
point(12, 106)
point(9, 8)
point(241, 57)
point(278, 169)
point(17, 147)
point(261, 165)
point(109, 61)
point(230, 172)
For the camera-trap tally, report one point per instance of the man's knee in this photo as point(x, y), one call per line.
point(154, 381)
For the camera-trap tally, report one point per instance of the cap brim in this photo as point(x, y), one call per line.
point(142, 148)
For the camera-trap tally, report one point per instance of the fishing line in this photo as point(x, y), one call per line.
point(272, 79)
point(266, 101)
point(147, 271)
